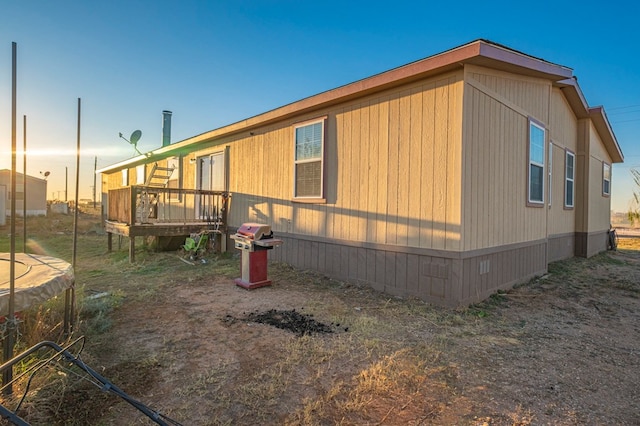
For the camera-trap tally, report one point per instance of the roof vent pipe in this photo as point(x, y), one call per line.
point(166, 128)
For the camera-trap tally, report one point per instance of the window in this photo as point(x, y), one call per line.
point(569, 178)
point(606, 179)
point(125, 177)
point(536, 163)
point(140, 177)
point(211, 172)
point(175, 178)
point(308, 161)
point(210, 176)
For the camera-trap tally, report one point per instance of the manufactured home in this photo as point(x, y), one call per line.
point(36, 195)
point(445, 179)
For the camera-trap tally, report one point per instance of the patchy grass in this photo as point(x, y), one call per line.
point(157, 329)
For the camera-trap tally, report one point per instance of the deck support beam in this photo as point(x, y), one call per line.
point(132, 249)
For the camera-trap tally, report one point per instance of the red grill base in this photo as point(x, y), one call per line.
point(253, 265)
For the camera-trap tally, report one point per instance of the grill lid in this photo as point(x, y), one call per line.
point(255, 231)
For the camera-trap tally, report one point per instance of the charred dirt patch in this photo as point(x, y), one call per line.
point(289, 320)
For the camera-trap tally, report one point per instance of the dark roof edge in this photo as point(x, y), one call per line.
point(440, 62)
point(601, 122)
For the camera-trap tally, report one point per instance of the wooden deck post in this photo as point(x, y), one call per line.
point(109, 242)
point(132, 249)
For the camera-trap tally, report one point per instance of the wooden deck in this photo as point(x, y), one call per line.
point(165, 212)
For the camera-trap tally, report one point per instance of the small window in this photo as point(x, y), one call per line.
point(175, 177)
point(606, 179)
point(536, 163)
point(125, 177)
point(140, 177)
point(569, 180)
point(308, 172)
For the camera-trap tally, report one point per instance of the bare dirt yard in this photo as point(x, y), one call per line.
point(563, 349)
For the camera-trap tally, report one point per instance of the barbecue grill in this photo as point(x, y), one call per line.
point(253, 240)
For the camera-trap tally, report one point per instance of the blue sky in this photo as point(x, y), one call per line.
point(216, 62)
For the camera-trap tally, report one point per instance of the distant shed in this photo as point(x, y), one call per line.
point(36, 194)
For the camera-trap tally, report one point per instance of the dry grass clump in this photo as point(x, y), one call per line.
point(407, 386)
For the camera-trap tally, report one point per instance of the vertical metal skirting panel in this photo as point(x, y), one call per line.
point(442, 281)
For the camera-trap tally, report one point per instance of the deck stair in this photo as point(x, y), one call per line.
point(159, 176)
point(147, 201)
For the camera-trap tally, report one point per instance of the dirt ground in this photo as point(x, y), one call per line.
point(563, 349)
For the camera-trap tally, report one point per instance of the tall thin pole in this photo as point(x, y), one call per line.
point(95, 167)
point(66, 182)
point(9, 338)
point(75, 211)
point(24, 185)
point(70, 294)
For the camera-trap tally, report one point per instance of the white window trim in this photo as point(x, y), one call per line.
point(310, 199)
point(571, 179)
point(176, 175)
point(125, 177)
point(208, 155)
point(198, 170)
point(530, 162)
point(141, 172)
point(606, 166)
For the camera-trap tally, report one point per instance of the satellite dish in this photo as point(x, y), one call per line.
point(135, 137)
point(46, 174)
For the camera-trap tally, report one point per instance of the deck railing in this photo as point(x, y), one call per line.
point(139, 205)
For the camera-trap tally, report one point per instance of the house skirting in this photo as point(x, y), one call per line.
point(591, 243)
point(562, 246)
point(435, 276)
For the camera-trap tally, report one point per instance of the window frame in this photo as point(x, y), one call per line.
point(177, 171)
point(204, 162)
point(206, 159)
point(568, 153)
point(531, 202)
point(141, 174)
point(125, 177)
point(606, 167)
point(320, 198)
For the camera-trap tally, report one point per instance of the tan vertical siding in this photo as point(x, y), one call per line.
point(441, 128)
point(495, 209)
point(392, 172)
point(530, 94)
point(404, 177)
point(497, 109)
point(415, 167)
point(393, 165)
point(427, 172)
point(563, 132)
point(383, 175)
point(599, 205)
point(353, 170)
point(373, 178)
